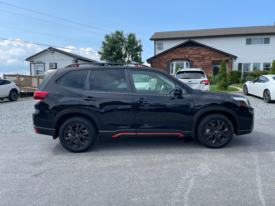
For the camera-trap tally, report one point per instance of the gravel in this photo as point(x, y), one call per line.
point(18, 115)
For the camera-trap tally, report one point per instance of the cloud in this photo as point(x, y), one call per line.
point(14, 53)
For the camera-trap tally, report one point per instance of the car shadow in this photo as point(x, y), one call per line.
point(256, 141)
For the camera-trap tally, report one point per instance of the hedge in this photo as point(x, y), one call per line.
point(235, 76)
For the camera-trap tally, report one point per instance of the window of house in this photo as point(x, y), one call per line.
point(111, 80)
point(246, 69)
point(39, 69)
point(159, 46)
point(74, 79)
point(256, 66)
point(254, 41)
point(266, 66)
point(181, 64)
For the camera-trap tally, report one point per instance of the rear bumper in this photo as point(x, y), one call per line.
point(44, 131)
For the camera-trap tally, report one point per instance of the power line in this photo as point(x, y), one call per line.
point(51, 22)
point(54, 16)
point(45, 34)
point(25, 42)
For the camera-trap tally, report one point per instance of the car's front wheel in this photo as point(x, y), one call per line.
point(267, 97)
point(77, 134)
point(215, 131)
point(245, 90)
point(13, 95)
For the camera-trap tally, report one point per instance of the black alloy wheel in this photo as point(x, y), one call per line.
point(13, 95)
point(245, 90)
point(77, 134)
point(267, 97)
point(215, 131)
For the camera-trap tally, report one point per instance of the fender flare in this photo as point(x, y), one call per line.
point(76, 111)
point(213, 109)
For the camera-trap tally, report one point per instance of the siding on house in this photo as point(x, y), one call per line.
point(235, 45)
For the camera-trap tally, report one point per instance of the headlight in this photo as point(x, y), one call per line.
point(243, 101)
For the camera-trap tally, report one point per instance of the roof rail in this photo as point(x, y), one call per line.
point(120, 64)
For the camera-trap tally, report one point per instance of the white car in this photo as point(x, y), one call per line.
point(194, 78)
point(8, 89)
point(263, 87)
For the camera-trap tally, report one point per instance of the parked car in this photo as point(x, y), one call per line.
point(8, 89)
point(79, 104)
point(263, 87)
point(194, 78)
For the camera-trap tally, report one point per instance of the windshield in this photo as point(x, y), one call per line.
point(190, 75)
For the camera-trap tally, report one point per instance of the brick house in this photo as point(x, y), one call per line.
point(191, 54)
point(244, 48)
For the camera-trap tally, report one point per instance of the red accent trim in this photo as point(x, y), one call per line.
point(36, 130)
point(116, 135)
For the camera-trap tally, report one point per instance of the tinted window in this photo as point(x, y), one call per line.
point(266, 79)
point(75, 79)
point(190, 75)
point(153, 83)
point(108, 80)
point(261, 80)
point(4, 82)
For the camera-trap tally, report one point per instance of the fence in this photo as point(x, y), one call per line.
point(25, 81)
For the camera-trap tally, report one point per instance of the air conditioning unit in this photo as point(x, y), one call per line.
point(52, 65)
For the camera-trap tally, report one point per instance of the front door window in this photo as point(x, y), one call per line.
point(246, 69)
point(39, 69)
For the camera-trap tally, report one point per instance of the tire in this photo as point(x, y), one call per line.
point(267, 98)
point(77, 134)
point(220, 130)
point(13, 96)
point(245, 90)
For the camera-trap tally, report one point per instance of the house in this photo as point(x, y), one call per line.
point(243, 48)
point(52, 58)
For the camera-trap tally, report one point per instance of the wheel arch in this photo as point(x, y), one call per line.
point(65, 115)
point(224, 111)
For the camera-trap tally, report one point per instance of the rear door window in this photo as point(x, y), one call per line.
point(74, 79)
point(108, 80)
point(190, 75)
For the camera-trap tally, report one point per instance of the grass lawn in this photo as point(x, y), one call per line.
point(238, 85)
point(213, 88)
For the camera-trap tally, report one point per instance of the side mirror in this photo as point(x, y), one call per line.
point(177, 91)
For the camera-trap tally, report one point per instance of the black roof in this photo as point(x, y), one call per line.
point(65, 53)
point(194, 42)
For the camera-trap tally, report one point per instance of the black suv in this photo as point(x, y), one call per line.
point(78, 104)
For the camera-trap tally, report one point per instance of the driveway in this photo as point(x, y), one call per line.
point(36, 170)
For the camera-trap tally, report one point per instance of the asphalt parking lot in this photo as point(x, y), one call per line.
point(36, 170)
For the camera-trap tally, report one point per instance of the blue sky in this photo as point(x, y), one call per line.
point(140, 17)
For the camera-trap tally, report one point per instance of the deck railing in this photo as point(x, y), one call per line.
point(24, 80)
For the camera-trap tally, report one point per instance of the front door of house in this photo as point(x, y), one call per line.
point(215, 69)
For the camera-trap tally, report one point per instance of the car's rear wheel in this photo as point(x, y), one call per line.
point(215, 131)
point(77, 134)
point(245, 90)
point(267, 97)
point(13, 95)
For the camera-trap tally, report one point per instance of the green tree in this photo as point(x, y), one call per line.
point(272, 69)
point(133, 48)
point(118, 47)
point(222, 75)
point(177, 68)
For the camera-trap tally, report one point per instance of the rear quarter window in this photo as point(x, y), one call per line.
point(74, 79)
point(190, 75)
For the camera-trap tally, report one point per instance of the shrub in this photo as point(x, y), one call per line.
point(210, 77)
point(249, 78)
point(177, 68)
point(257, 73)
point(223, 82)
point(272, 69)
point(235, 76)
point(214, 80)
point(242, 80)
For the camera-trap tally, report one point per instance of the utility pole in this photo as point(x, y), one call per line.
point(141, 47)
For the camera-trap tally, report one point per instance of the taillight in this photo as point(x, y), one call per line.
point(17, 85)
point(40, 95)
point(206, 82)
point(68, 66)
point(76, 65)
point(36, 130)
point(136, 65)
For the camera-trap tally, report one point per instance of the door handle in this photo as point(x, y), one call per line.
point(90, 99)
point(140, 100)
